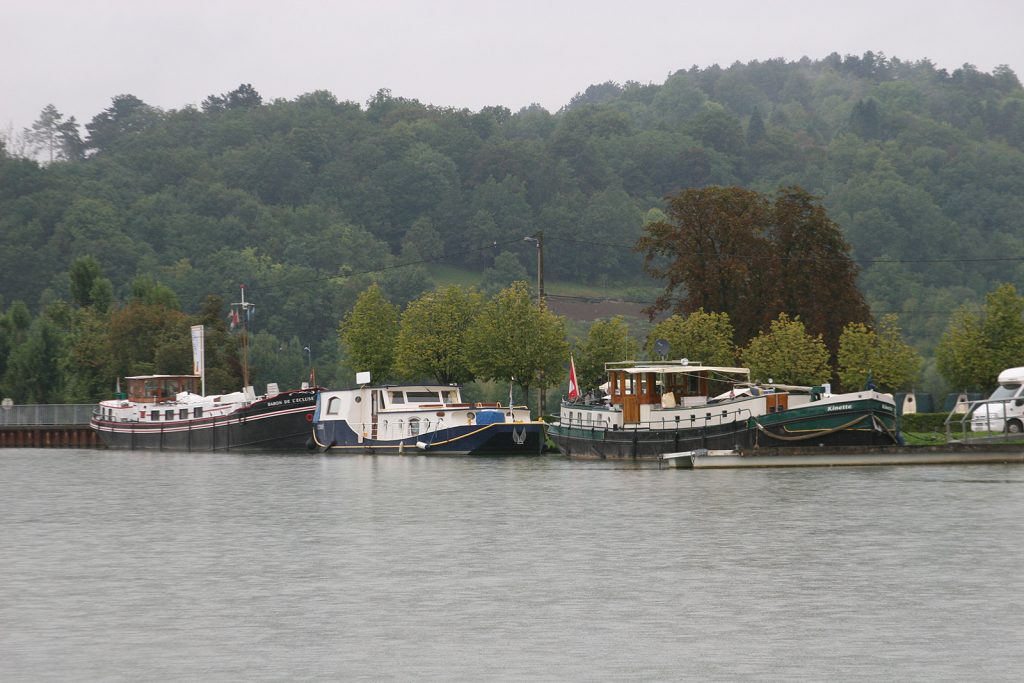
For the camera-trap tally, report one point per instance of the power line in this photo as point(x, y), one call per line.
point(601, 300)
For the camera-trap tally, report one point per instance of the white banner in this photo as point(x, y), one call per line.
point(198, 359)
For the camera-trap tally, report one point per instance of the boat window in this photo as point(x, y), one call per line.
point(628, 389)
point(333, 405)
point(183, 414)
point(197, 412)
point(693, 385)
point(154, 415)
point(422, 397)
point(414, 426)
point(451, 397)
point(397, 397)
point(169, 414)
point(426, 425)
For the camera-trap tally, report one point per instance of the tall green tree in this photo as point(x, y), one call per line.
point(152, 338)
point(506, 270)
point(71, 145)
point(1003, 327)
point(88, 363)
point(959, 354)
point(787, 353)
point(243, 97)
point(974, 349)
point(432, 336)
point(514, 340)
point(607, 340)
point(701, 337)
point(88, 286)
point(14, 326)
point(368, 333)
point(279, 360)
point(33, 368)
point(756, 131)
point(127, 115)
point(880, 354)
point(44, 136)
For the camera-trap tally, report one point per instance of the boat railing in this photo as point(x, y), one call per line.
point(993, 423)
point(42, 414)
point(709, 418)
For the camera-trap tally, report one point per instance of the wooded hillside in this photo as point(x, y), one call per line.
point(307, 201)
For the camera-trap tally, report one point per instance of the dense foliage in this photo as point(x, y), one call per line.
point(606, 341)
point(308, 201)
point(701, 337)
point(787, 353)
point(877, 356)
point(980, 342)
point(738, 252)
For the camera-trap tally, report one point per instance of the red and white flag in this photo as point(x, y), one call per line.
point(574, 389)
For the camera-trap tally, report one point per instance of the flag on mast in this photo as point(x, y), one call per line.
point(574, 389)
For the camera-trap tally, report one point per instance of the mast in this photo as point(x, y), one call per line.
point(242, 313)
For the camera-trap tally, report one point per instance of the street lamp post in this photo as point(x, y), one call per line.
point(538, 239)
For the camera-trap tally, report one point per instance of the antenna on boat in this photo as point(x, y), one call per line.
point(241, 314)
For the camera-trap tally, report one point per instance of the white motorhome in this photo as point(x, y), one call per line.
point(1004, 409)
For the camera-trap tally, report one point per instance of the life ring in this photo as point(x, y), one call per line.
point(309, 417)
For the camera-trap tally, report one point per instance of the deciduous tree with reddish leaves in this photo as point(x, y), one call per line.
point(736, 251)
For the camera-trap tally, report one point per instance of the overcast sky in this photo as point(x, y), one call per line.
point(78, 54)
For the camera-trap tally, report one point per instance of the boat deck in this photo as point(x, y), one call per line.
point(952, 454)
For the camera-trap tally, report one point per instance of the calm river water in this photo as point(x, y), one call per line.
point(129, 566)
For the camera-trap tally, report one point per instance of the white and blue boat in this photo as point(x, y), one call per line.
point(421, 418)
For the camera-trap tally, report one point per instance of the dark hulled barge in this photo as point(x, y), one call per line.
point(654, 408)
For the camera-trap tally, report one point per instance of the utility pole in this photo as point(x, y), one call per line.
point(538, 239)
